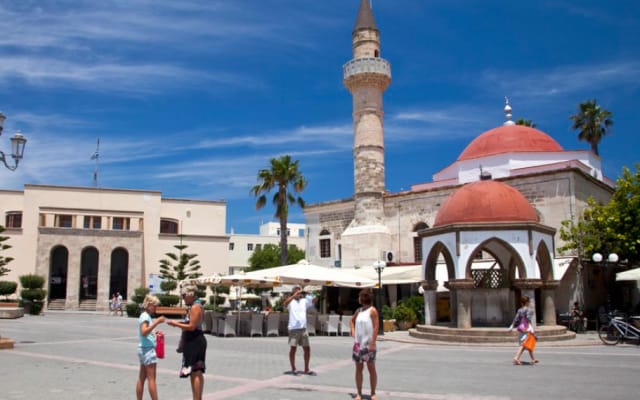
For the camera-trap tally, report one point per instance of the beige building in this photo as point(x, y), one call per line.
point(242, 246)
point(92, 242)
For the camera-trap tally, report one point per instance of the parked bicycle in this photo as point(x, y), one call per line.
point(617, 330)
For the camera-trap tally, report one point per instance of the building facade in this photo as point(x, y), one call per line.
point(89, 243)
point(242, 246)
point(379, 225)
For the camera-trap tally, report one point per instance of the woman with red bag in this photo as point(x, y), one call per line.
point(147, 347)
point(522, 322)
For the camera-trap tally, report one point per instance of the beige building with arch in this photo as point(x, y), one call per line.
point(92, 242)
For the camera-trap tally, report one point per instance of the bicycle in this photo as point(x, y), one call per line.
point(618, 330)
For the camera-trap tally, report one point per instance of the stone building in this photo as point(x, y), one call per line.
point(376, 224)
point(89, 243)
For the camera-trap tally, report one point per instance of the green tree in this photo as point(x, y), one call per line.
point(284, 176)
point(4, 260)
point(269, 256)
point(610, 228)
point(592, 123)
point(526, 122)
point(177, 267)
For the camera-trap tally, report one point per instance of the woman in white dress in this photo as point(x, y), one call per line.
point(364, 329)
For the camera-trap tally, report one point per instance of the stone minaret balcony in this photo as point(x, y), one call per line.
point(374, 65)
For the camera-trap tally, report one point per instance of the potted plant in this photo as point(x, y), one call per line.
point(7, 288)
point(388, 323)
point(405, 316)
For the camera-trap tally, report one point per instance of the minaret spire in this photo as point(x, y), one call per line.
point(367, 76)
point(507, 112)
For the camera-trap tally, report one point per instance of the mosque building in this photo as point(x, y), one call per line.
point(486, 227)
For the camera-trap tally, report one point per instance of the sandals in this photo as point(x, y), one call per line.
point(516, 362)
point(535, 361)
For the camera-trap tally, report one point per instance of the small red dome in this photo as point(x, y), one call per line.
point(485, 201)
point(508, 139)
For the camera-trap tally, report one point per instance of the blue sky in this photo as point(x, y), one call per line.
point(192, 98)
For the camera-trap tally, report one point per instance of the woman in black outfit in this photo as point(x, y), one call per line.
point(194, 342)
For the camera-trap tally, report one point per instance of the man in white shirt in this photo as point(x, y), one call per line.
point(297, 304)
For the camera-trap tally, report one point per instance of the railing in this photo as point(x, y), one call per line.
point(369, 64)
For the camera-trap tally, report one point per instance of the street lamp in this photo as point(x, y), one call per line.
point(611, 258)
point(379, 267)
point(17, 146)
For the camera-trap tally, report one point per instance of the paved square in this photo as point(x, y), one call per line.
point(68, 356)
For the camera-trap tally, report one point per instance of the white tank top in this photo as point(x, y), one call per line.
point(364, 327)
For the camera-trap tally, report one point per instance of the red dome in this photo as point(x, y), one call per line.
point(507, 139)
point(485, 201)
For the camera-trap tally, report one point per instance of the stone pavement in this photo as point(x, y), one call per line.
point(65, 356)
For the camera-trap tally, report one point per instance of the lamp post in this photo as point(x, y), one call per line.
point(379, 267)
point(17, 147)
point(611, 258)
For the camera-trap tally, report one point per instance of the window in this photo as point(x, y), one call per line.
point(64, 221)
point(231, 245)
point(325, 244)
point(168, 226)
point(13, 220)
point(250, 246)
point(120, 224)
point(92, 222)
point(417, 242)
point(288, 232)
point(258, 246)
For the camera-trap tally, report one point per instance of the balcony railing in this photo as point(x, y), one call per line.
point(364, 65)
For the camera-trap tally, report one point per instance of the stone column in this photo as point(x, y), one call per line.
point(528, 287)
point(462, 289)
point(549, 302)
point(430, 305)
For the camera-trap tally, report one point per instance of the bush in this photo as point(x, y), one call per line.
point(36, 307)
point(32, 281)
point(417, 304)
point(387, 312)
point(168, 300)
point(133, 310)
point(219, 300)
point(168, 286)
point(33, 294)
point(8, 287)
point(139, 294)
point(404, 313)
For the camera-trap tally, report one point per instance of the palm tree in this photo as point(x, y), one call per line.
point(593, 123)
point(285, 176)
point(526, 122)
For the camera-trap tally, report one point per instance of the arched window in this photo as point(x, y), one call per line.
point(119, 272)
point(417, 241)
point(169, 226)
point(325, 244)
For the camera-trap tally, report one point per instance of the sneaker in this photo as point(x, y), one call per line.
point(185, 372)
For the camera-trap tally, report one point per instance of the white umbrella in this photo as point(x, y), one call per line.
point(234, 280)
point(304, 273)
point(630, 275)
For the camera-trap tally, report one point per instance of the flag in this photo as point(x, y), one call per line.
point(95, 155)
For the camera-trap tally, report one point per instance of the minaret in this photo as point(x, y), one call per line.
point(367, 76)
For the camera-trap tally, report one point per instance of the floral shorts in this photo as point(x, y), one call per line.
point(363, 355)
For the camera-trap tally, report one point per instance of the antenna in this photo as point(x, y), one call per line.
point(95, 156)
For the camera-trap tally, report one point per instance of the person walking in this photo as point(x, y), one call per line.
point(119, 306)
point(523, 322)
point(364, 329)
point(297, 304)
point(147, 347)
point(194, 344)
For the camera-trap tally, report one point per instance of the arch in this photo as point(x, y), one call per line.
point(505, 255)
point(118, 280)
point(431, 262)
point(89, 273)
point(545, 264)
point(58, 270)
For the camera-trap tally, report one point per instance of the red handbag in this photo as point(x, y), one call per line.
point(160, 345)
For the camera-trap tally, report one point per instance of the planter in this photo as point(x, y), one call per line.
point(389, 325)
point(404, 325)
point(9, 304)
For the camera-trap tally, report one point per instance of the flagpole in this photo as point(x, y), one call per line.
point(96, 156)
